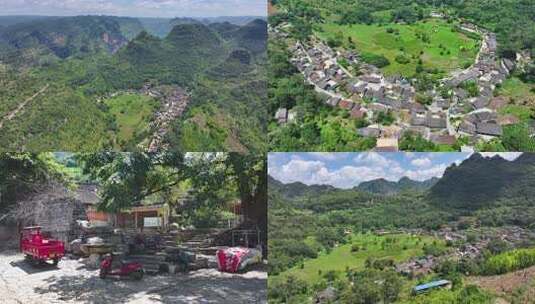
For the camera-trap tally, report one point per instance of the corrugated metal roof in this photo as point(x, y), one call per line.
point(431, 285)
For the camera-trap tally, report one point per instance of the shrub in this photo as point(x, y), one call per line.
point(379, 61)
point(509, 261)
point(402, 59)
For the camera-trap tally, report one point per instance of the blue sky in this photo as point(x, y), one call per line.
point(346, 170)
point(138, 8)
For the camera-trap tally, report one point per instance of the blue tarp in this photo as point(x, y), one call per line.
point(431, 285)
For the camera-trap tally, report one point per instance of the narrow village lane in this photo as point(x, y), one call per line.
point(175, 104)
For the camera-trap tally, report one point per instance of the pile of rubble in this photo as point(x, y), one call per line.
point(171, 252)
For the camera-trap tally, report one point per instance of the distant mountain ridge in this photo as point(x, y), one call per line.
point(14, 19)
point(186, 51)
point(385, 187)
point(237, 20)
point(378, 186)
point(68, 36)
point(65, 37)
point(482, 182)
point(477, 183)
point(297, 189)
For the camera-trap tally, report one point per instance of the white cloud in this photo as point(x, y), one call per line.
point(145, 8)
point(328, 156)
point(505, 155)
point(425, 174)
point(421, 162)
point(312, 172)
point(372, 159)
point(365, 167)
point(297, 170)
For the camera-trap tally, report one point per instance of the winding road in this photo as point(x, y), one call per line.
point(21, 106)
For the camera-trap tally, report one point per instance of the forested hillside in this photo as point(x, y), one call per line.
point(498, 191)
point(472, 223)
point(382, 186)
point(68, 36)
point(49, 67)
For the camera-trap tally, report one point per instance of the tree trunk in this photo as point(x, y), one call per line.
point(253, 192)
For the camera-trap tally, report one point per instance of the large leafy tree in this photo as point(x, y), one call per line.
point(128, 178)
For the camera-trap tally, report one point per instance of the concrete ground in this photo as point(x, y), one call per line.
point(72, 282)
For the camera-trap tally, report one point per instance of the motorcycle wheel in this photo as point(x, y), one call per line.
point(136, 275)
point(102, 274)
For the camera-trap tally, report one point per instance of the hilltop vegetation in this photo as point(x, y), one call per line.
point(87, 59)
point(405, 184)
point(64, 37)
point(497, 190)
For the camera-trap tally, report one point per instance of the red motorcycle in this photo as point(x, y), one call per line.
point(113, 267)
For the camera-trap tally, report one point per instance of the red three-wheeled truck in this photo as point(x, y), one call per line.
point(38, 249)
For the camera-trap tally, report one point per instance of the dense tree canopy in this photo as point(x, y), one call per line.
point(129, 178)
point(24, 174)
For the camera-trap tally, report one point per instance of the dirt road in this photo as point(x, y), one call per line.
point(71, 282)
point(21, 106)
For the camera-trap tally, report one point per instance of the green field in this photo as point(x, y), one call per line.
point(402, 248)
point(517, 90)
point(524, 113)
point(457, 49)
point(132, 114)
point(521, 96)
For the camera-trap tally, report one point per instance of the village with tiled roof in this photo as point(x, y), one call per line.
point(442, 121)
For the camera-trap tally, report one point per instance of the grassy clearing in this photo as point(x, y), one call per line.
point(521, 96)
point(402, 248)
point(132, 114)
point(445, 49)
point(205, 129)
point(518, 91)
point(524, 113)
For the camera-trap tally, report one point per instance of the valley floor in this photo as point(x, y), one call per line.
point(72, 282)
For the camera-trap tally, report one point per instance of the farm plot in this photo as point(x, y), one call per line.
point(433, 43)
